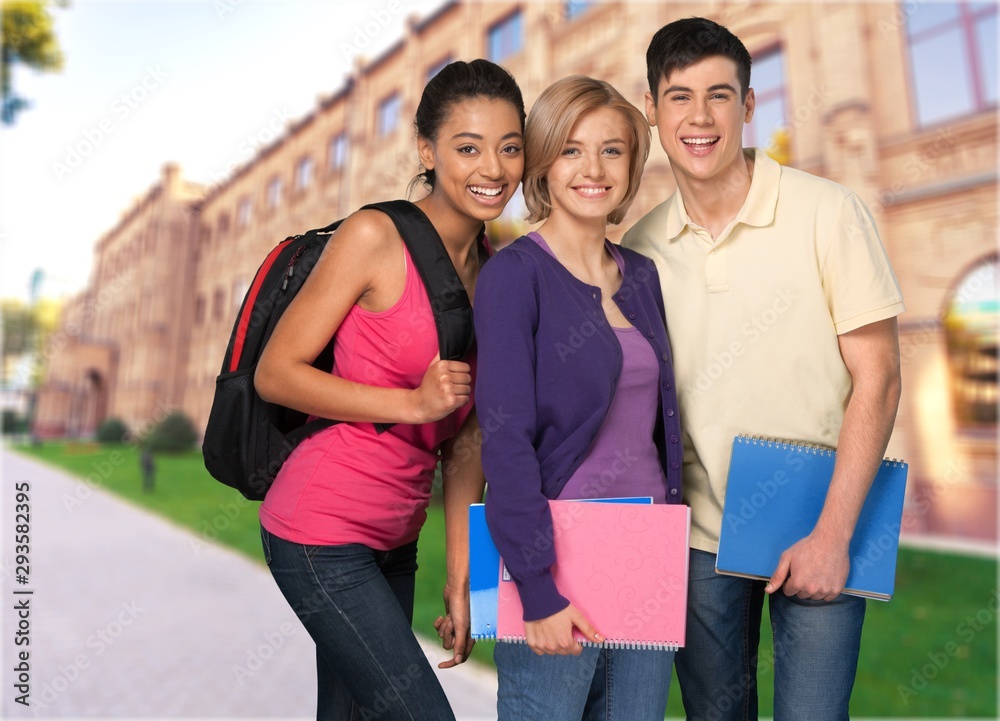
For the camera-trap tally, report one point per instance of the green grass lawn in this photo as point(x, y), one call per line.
point(930, 652)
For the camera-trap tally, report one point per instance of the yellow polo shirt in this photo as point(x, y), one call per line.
point(753, 318)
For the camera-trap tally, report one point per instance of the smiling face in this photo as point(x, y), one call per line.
point(477, 157)
point(699, 117)
point(590, 178)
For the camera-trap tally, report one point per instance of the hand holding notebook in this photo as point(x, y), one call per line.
point(624, 566)
point(561, 633)
point(774, 495)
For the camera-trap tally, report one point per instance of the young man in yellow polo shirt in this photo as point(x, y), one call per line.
point(781, 308)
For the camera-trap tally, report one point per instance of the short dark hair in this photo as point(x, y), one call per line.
point(454, 83)
point(685, 42)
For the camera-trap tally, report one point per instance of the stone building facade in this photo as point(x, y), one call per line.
point(897, 101)
point(122, 344)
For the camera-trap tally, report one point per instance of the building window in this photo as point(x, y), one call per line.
point(243, 213)
point(274, 189)
point(303, 173)
point(506, 38)
point(199, 310)
point(437, 67)
point(575, 8)
point(970, 323)
point(953, 59)
point(219, 304)
point(388, 115)
point(223, 224)
point(336, 152)
point(769, 92)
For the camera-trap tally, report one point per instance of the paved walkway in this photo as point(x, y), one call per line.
point(126, 620)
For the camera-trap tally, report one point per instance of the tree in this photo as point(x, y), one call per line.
point(28, 38)
point(26, 330)
point(18, 327)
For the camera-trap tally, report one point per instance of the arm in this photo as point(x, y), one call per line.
point(363, 264)
point(462, 475)
point(517, 512)
point(817, 566)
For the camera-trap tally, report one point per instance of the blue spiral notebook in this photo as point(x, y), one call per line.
point(484, 562)
point(775, 492)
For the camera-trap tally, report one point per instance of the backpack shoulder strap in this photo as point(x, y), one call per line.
point(449, 300)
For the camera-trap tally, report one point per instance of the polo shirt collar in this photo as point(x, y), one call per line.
point(758, 208)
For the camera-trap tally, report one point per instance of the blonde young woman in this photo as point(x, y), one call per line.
point(571, 410)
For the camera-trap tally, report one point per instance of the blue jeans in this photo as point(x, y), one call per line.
point(357, 605)
point(598, 685)
point(816, 647)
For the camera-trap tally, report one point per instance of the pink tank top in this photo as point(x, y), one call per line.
point(350, 484)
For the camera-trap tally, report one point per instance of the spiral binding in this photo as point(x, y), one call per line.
point(626, 644)
point(803, 446)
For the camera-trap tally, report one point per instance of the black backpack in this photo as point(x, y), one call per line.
point(247, 439)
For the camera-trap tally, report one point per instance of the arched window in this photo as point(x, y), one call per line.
point(970, 322)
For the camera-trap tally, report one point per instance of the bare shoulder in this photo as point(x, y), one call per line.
point(364, 257)
point(366, 244)
point(367, 232)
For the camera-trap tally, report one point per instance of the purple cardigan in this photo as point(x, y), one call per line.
point(548, 364)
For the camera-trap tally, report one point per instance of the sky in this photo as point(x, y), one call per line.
point(202, 83)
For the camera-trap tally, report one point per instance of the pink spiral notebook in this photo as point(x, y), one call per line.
point(625, 566)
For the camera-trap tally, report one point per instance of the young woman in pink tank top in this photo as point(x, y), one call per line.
point(340, 524)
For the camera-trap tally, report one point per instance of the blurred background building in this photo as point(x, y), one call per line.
point(897, 101)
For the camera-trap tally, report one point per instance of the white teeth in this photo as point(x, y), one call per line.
point(591, 191)
point(488, 192)
point(699, 141)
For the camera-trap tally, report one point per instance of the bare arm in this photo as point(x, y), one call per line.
point(464, 482)
point(363, 264)
point(817, 566)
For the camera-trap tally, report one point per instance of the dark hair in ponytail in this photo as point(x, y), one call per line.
point(456, 82)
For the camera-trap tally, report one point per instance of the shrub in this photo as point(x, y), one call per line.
point(174, 434)
point(13, 422)
point(112, 430)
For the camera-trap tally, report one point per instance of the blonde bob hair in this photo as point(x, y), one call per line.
point(549, 124)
